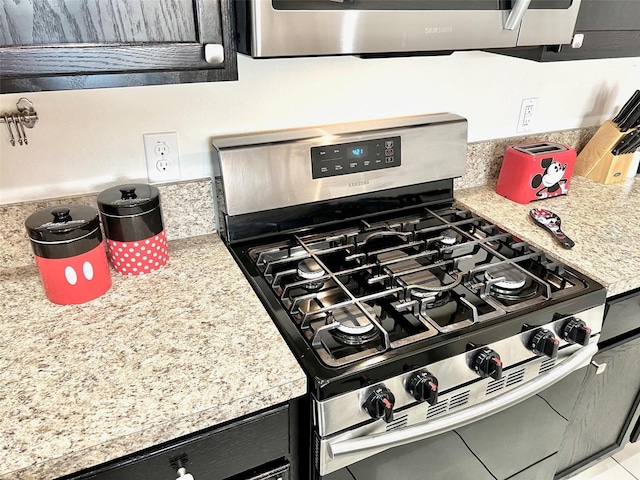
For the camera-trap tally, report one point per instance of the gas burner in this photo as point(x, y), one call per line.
point(308, 269)
point(433, 300)
point(513, 286)
point(511, 279)
point(449, 237)
point(425, 287)
point(354, 327)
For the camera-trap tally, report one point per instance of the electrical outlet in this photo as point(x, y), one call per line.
point(527, 112)
point(162, 156)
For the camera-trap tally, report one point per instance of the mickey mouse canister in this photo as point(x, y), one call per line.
point(69, 253)
point(132, 222)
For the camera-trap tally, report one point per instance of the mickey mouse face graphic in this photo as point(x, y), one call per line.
point(551, 179)
point(77, 279)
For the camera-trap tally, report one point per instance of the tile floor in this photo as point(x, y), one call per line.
point(624, 465)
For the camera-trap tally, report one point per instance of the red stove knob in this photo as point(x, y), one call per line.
point(379, 404)
point(487, 363)
point(576, 331)
point(544, 342)
point(423, 387)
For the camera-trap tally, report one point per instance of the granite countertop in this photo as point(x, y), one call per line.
point(157, 357)
point(603, 220)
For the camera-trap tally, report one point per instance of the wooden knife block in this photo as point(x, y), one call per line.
point(596, 161)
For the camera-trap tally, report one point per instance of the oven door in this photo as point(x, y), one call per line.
point(515, 435)
point(286, 28)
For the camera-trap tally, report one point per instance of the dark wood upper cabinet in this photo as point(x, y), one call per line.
point(610, 29)
point(73, 44)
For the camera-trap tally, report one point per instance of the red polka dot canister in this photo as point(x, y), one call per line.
point(69, 252)
point(132, 222)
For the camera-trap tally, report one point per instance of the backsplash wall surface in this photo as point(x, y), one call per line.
point(88, 140)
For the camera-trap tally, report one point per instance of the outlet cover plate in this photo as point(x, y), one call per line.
point(527, 114)
point(162, 156)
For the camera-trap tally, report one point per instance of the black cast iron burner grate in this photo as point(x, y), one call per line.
point(373, 286)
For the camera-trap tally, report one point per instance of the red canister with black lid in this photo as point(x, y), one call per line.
point(69, 253)
point(132, 222)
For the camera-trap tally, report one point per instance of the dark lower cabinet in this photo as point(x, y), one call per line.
point(254, 448)
point(606, 412)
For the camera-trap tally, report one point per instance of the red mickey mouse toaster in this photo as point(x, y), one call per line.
point(69, 253)
point(536, 171)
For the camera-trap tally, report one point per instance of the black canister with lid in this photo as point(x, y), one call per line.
point(132, 222)
point(69, 253)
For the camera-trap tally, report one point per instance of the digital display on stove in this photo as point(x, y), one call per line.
point(355, 157)
point(356, 152)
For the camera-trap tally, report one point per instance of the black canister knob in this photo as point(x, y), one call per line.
point(61, 215)
point(128, 192)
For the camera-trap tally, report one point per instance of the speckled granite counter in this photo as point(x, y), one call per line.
point(603, 220)
point(156, 357)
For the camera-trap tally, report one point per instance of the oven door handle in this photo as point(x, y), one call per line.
point(406, 435)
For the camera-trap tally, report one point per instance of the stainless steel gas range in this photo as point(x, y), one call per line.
point(433, 340)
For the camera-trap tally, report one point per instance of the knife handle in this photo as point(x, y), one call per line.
point(626, 108)
point(620, 144)
point(632, 145)
point(630, 120)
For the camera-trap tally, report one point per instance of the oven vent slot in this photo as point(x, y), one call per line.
point(547, 365)
point(495, 385)
point(515, 377)
point(458, 400)
point(397, 423)
point(437, 409)
point(316, 451)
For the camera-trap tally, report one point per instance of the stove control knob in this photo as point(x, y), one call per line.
point(576, 331)
point(544, 342)
point(487, 363)
point(423, 387)
point(379, 404)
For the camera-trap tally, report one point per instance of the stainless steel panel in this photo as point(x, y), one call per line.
point(357, 444)
point(548, 27)
point(338, 413)
point(273, 170)
point(283, 33)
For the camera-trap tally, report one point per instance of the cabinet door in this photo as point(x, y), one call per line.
point(69, 44)
point(257, 446)
point(604, 409)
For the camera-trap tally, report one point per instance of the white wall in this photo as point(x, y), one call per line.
point(90, 139)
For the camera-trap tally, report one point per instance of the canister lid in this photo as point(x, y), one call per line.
point(63, 223)
point(131, 199)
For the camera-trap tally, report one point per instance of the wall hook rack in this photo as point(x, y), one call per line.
point(26, 116)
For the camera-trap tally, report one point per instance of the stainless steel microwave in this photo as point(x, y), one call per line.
point(293, 28)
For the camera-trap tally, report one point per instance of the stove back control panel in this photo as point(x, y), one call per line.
point(355, 157)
